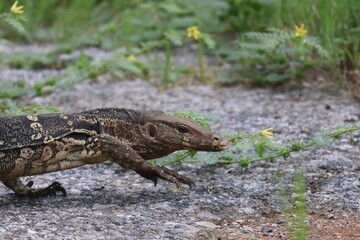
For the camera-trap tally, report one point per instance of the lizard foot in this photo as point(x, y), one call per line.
point(166, 174)
point(27, 191)
point(50, 190)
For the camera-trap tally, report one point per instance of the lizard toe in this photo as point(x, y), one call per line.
point(57, 187)
point(30, 184)
point(179, 177)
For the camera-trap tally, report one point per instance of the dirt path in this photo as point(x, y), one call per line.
point(106, 202)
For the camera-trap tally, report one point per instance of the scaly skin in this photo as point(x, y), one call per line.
point(37, 144)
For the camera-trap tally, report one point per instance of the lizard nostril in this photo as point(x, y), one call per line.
point(216, 138)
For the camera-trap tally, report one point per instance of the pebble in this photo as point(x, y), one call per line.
point(265, 229)
point(206, 224)
point(247, 210)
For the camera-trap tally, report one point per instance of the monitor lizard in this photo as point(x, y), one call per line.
point(44, 143)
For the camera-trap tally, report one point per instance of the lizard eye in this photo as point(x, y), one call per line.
point(152, 131)
point(182, 129)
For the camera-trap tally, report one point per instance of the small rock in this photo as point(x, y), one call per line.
point(74, 191)
point(247, 229)
point(104, 207)
point(206, 224)
point(240, 221)
point(265, 229)
point(208, 215)
point(246, 210)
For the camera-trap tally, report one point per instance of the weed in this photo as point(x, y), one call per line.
point(293, 203)
point(9, 107)
point(276, 55)
point(15, 18)
point(248, 148)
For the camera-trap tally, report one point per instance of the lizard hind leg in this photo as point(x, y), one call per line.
point(27, 191)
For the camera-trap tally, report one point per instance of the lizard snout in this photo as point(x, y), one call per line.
point(219, 143)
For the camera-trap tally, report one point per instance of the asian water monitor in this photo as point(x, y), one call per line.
point(43, 143)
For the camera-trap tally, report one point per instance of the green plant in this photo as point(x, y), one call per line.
point(170, 36)
point(276, 55)
point(293, 203)
point(110, 23)
point(201, 38)
point(15, 18)
point(9, 107)
point(27, 60)
point(300, 202)
point(333, 21)
point(176, 38)
point(243, 15)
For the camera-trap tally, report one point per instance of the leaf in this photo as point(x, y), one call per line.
point(208, 40)
point(322, 139)
point(296, 146)
point(314, 43)
point(207, 158)
point(36, 109)
point(285, 153)
point(260, 148)
point(15, 22)
point(128, 66)
point(275, 77)
point(172, 8)
point(174, 37)
point(244, 162)
point(201, 118)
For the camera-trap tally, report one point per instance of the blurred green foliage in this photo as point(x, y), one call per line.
point(134, 24)
point(133, 21)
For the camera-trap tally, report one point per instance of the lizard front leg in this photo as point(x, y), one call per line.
point(128, 158)
point(25, 190)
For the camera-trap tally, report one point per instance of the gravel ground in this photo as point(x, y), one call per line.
point(107, 202)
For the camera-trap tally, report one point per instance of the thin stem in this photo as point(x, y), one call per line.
point(200, 53)
point(181, 159)
point(335, 134)
point(166, 78)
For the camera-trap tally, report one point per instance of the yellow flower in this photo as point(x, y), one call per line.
point(131, 58)
point(267, 133)
point(16, 9)
point(300, 31)
point(193, 32)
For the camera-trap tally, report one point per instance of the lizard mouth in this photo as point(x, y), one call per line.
point(220, 145)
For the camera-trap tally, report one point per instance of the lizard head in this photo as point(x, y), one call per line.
point(181, 134)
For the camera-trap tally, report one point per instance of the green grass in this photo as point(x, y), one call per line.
point(335, 22)
point(250, 37)
point(240, 29)
point(293, 203)
point(118, 23)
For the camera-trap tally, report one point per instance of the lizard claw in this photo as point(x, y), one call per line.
point(57, 187)
point(179, 178)
point(169, 175)
point(30, 184)
point(155, 180)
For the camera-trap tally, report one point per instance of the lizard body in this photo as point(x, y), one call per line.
point(43, 143)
